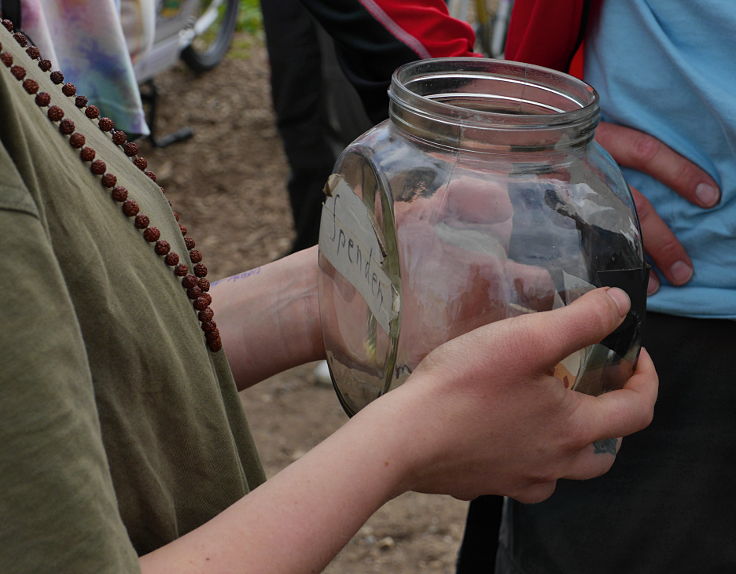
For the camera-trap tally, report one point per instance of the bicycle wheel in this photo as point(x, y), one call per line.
point(212, 34)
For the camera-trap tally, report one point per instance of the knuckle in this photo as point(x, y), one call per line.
point(545, 476)
point(603, 317)
point(646, 417)
point(538, 492)
point(576, 438)
point(645, 148)
point(664, 249)
point(604, 465)
point(669, 249)
point(686, 174)
point(523, 338)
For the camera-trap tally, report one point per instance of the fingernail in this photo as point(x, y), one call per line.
point(680, 272)
point(652, 284)
point(707, 194)
point(621, 299)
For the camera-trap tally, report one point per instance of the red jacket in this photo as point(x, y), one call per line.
point(374, 37)
point(548, 33)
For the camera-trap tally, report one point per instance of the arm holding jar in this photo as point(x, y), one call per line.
point(480, 414)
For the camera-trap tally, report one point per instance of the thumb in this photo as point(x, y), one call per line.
point(588, 320)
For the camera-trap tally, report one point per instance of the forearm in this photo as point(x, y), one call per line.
point(269, 317)
point(480, 415)
point(300, 519)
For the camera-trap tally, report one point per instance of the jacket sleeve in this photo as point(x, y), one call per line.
point(545, 33)
point(374, 37)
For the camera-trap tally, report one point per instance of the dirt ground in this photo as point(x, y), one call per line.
point(228, 181)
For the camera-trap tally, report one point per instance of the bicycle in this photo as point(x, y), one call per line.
point(198, 32)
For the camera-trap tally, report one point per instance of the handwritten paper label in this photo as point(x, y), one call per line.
point(349, 242)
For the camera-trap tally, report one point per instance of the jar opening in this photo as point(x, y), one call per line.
point(493, 96)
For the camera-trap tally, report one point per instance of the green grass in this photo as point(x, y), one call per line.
point(250, 24)
point(249, 17)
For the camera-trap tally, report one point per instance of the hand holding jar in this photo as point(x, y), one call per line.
point(484, 196)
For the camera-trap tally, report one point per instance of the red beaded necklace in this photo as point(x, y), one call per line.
point(195, 284)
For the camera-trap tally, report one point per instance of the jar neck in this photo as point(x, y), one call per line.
point(485, 105)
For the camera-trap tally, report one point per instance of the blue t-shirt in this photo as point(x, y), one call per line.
point(676, 79)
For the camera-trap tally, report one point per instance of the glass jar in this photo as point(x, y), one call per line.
point(482, 197)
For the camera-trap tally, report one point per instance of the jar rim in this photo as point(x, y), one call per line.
point(582, 98)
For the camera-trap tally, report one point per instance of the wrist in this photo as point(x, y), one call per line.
point(392, 439)
point(269, 317)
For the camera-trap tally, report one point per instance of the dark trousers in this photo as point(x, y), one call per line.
point(317, 111)
point(296, 90)
point(667, 506)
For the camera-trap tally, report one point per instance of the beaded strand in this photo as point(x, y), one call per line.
point(195, 283)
